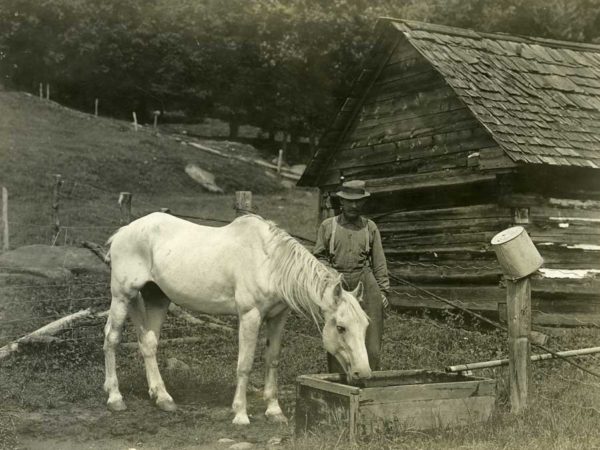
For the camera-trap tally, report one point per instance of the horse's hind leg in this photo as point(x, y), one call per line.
point(148, 313)
point(112, 337)
point(274, 330)
point(248, 335)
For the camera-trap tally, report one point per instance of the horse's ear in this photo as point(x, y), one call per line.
point(359, 291)
point(337, 292)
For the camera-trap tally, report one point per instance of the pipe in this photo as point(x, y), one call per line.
point(504, 362)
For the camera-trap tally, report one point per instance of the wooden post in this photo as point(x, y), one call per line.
point(96, 101)
point(518, 259)
point(56, 203)
point(125, 207)
point(156, 114)
point(279, 160)
point(135, 122)
point(243, 202)
point(518, 301)
point(5, 235)
point(41, 91)
point(48, 91)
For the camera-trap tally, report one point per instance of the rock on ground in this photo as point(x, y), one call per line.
point(54, 262)
point(203, 177)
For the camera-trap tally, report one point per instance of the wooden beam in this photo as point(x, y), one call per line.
point(427, 180)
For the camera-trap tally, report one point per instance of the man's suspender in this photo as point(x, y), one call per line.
point(332, 238)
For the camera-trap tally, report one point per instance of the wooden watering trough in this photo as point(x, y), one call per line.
point(392, 400)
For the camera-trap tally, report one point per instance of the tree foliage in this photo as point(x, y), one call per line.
point(279, 64)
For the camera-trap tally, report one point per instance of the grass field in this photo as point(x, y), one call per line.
point(51, 395)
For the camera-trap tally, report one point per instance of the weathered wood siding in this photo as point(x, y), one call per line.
point(560, 208)
point(410, 122)
point(442, 188)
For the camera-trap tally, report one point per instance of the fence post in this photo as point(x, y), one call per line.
point(47, 91)
point(518, 302)
point(279, 161)
point(56, 202)
point(41, 91)
point(96, 101)
point(135, 122)
point(125, 207)
point(243, 202)
point(519, 259)
point(5, 235)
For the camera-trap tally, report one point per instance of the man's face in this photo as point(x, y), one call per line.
point(352, 208)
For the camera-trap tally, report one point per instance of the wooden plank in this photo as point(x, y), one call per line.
point(481, 298)
point(433, 122)
point(567, 304)
point(322, 384)
point(565, 258)
point(441, 239)
point(566, 238)
point(407, 107)
point(426, 414)
point(561, 286)
point(439, 252)
point(413, 81)
point(427, 180)
point(426, 227)
point(571, 319)
point(482, 211)
point(316, 407)
point(449, 270)
point(556, 214)
point(426, 391)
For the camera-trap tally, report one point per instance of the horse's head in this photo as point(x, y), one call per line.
point(344, 330)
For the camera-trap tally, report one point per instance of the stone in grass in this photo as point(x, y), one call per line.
point(203, 177)
point(226, 441)
point(175, 365)
point(242, 446)
point(275, 440)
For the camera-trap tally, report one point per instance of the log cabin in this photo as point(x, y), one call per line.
point(460, 134)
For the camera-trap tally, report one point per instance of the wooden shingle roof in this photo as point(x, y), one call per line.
point(538, 98)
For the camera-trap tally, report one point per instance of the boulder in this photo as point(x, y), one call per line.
point(203, 177)
point(53, 262)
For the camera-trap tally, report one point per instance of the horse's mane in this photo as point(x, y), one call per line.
point(297, 276)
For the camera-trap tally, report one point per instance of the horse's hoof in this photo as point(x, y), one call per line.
point(241, 419)
point(116, 405)
point(276, 418)
point(167, 405)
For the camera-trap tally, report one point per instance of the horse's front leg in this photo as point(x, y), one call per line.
point(274, 330)
point(248, 335)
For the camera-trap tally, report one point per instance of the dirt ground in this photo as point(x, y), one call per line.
point(200, 421)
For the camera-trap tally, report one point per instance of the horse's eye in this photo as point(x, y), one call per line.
point(341, 330)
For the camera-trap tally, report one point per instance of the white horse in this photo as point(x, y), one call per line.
point(250, 268)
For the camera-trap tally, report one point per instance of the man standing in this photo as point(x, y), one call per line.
point(351, 244)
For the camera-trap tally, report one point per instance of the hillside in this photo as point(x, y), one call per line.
point(99, 157)
point(39, 138)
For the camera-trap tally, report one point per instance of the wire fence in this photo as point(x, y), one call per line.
point(73, 295)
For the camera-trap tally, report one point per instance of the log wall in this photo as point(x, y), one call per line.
point(442, 188)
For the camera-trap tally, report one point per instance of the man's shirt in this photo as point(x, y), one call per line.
point(350, 253)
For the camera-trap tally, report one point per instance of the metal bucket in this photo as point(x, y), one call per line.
point(516, 253)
